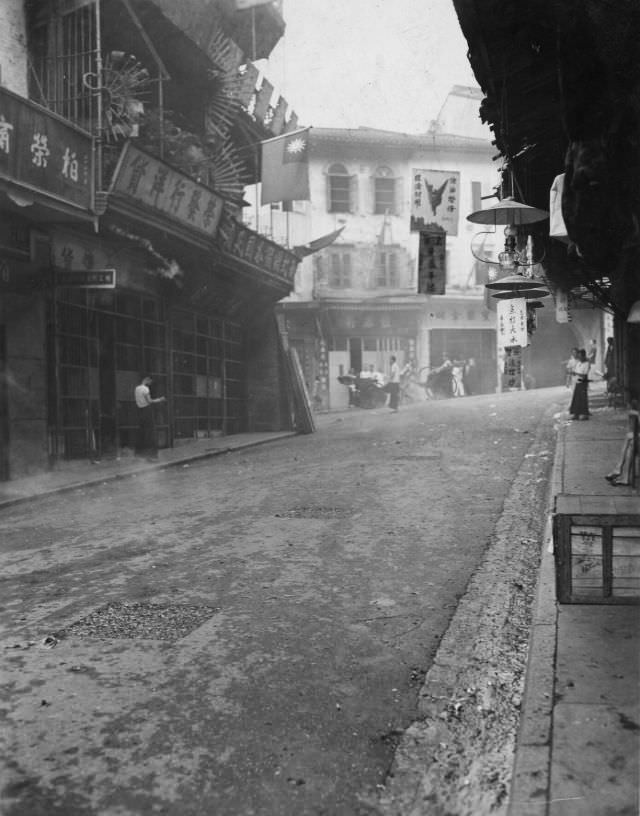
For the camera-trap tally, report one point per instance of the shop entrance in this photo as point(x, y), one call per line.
point(103, 340)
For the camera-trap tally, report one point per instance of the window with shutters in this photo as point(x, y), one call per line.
point(340, 270)
point(384, 191)
point(386, 268)
point(340, 189)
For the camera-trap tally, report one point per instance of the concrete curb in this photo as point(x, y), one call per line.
point(463, 662)
point(149, 467)
point(530, 782)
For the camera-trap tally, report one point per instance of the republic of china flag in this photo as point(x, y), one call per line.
point(285, 167)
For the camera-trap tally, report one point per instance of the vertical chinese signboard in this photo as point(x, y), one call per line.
point(432, 262)
point(154, 184)
point(512, 374)
point(434, 200)
point(512, 322)
point(44, 153)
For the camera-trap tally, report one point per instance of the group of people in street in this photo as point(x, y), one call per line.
point(454, 378)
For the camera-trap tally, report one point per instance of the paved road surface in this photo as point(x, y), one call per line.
point(247, 635)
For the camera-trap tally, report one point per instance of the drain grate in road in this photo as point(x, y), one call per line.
point(140, 620)
point(316, 511)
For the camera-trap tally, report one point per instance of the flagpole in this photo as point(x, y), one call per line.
point(253, 33)
point(286, 135)
point(256, 189)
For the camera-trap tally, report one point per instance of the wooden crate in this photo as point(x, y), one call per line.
point(597, 549)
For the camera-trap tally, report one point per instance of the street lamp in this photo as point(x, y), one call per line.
point(511, 214)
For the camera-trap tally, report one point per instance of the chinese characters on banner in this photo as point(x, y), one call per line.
point(155, 184)
point(244, 243)
point(512, 375)
point(434, 200)
point(432, 262)
point(44, 152)
point(512, 322)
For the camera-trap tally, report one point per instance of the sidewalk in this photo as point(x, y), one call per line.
point(80, 473)
point(578, 750)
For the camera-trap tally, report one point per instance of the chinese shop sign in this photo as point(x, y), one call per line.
point(169, 192)
point(512, 322)
point(43, 152)
point(512, 374)
point(434, 200)
point(432, 262)
point(86, 279)
point(246, 245)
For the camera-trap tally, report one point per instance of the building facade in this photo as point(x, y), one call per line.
point(128, 133)
point(372, 293)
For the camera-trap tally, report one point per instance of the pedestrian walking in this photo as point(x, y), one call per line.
point(457, 372)
point(579, 408)
point(146, 442)
point(393, 386)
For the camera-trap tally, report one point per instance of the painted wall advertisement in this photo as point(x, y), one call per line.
point(435, 200)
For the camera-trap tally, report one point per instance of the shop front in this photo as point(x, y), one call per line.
point(46, 180)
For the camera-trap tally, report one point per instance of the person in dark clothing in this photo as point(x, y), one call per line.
point(609, 361)
point(579, 408)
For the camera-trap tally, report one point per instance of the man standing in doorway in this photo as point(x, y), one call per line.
point(394, 385)
point(146, 443)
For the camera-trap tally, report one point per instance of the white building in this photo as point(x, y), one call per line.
point(357, 301)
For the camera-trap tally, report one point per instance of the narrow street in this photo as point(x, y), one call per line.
point(247, 635)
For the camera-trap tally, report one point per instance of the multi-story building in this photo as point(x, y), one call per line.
point(128, 133)
point(370, 294)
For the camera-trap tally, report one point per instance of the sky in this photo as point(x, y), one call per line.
point(386, 64)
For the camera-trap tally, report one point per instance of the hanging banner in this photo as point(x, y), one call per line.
point(563, 314)
point(432, 262)
point(512, 374)
point(512, 322)
point(434, 200)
